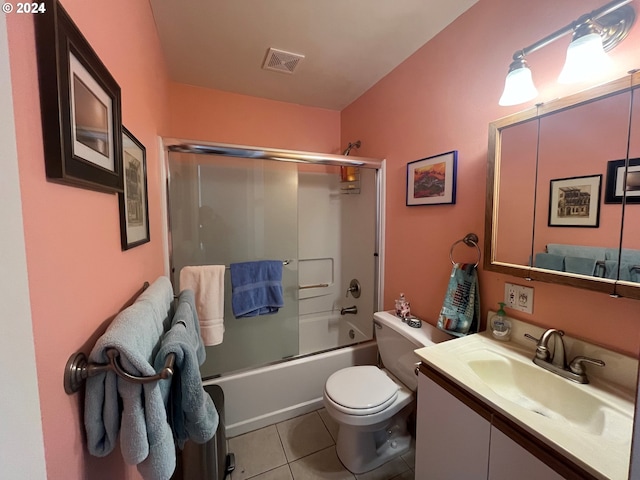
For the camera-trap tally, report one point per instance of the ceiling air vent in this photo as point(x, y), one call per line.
point(281, 61)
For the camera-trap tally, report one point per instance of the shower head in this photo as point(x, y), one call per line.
point(355, 144)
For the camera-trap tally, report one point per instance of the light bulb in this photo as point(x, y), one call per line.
point(518, 86)
point(586, 59)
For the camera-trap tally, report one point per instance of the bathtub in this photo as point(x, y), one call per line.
point(274, 393)
point(323, 331)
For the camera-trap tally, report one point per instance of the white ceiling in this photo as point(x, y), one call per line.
point(348, 45)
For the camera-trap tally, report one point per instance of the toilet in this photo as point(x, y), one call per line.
point(371, 405)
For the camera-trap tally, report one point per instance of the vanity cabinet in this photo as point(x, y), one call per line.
point(459, 437)
point(452, 439)
point(509, 460)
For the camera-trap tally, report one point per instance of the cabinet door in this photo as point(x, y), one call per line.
point(452, 440)
point(508, 460)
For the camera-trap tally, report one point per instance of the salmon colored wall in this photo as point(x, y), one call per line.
point(216, 116)
point(513, 243)
point(78, 275)
point(631, 234)
point(442, 98)
point(581, 131)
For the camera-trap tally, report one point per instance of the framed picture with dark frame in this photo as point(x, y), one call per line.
point(432, 180)
point(134, 201)
point(80, 103)
point(616, 188)
point(575, 202)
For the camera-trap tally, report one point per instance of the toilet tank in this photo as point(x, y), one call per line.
point(397, 341)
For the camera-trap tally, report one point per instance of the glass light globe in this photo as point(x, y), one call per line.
point(518, 87)
point(586, 59)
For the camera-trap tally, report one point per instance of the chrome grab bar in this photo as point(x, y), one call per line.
point(317, 285)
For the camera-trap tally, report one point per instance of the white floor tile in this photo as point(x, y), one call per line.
point(280, 473)
point(387, 471)
point(330, 423)
point(256, 452)
point(308, 444)
point(304, 435)
point(322, 465)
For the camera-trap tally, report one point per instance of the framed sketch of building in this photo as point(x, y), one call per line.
point(575, 202)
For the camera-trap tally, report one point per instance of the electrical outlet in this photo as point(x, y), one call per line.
point(518, 297)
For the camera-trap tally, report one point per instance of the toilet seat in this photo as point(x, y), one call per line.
point(362, 390)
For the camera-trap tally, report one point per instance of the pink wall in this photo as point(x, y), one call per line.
point(215, 116)
point(582, 131)
point(78, 275)
point(442, 98)
point(631, 235)
point(516, 196)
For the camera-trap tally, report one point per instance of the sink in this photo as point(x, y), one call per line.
point(591, 424)
point(544, 393)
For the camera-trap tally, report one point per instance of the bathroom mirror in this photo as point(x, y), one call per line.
point(548, 217)
point(629, 267)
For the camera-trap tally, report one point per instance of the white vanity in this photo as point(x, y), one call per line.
point(485, 410)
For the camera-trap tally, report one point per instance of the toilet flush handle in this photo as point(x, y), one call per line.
point(417, 369)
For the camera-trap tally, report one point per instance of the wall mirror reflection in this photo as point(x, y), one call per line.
point(547, 216)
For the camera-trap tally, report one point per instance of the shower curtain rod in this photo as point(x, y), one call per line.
point(266, 153)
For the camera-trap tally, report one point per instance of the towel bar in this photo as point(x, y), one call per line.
point(317, 285)
point(284, 262)
point(471, 240)
point(78, 369)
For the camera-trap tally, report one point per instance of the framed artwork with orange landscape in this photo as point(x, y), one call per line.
point(432, 180)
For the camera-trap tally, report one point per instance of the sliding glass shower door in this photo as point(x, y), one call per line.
point(225, 210)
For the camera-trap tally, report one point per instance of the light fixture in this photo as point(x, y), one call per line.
point(593, 34)
point(518, 86)
point(586, 57)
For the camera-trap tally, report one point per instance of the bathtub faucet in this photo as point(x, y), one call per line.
point(352, 310)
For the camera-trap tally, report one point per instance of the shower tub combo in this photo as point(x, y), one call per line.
point(322, 215)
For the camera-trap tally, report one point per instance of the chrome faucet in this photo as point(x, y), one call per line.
point(352, 310)
point(558, 357)
point(556, 361)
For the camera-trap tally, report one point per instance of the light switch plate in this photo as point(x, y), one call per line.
point(518, 297)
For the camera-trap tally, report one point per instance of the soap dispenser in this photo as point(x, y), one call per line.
point(500, 324)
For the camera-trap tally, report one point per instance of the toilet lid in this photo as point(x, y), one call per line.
point(362, 388)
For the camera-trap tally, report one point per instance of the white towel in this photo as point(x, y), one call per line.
point(207, 283)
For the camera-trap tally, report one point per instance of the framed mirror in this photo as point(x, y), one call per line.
point(629, 267)
point(547, 215)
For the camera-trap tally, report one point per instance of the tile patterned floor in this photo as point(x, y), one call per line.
point(303, 448)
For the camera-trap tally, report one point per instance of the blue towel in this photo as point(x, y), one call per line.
point(550, 261)
point(256, 288)
point(611, 270)
point(628, 255)
point(460, 313)
point(114, 405)
point(634, 272)
point(627, 272)
point(597, 253)
point(193, 414)
point(581, 265)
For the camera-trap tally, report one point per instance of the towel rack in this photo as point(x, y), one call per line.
point(78, 368)
point(284, 262)
point(317, 285)
point(471, 240)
